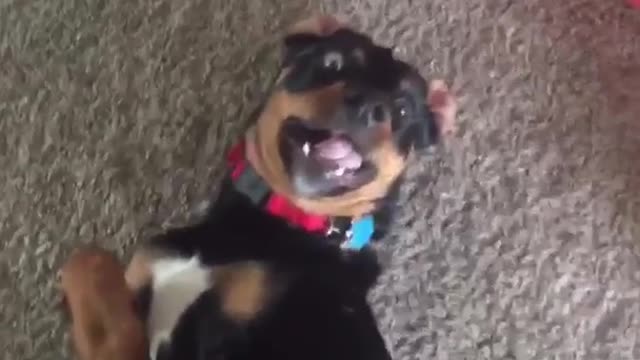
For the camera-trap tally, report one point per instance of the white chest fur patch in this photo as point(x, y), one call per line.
point(177, 283)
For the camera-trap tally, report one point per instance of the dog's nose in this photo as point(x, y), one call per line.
point(377, 113)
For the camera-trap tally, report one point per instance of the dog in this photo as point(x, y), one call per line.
point(106, 324)
point(280, 267)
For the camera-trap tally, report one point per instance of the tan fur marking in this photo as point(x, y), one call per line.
point(263, 153)
point(243, 289)
point(105, 324)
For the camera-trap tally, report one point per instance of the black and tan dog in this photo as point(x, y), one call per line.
point(279, 268)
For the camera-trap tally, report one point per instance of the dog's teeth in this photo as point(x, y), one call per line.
point(339, 171)
point(306, 148)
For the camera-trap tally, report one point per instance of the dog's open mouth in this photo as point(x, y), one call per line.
point(337, 152)
point(334, 153)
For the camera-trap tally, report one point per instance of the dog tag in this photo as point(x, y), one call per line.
point(360, 233)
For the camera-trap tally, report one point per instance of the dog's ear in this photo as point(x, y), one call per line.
point(438, 110)
point(303, 35)
point(297, 45)
point(299, 49)
point(424, 130)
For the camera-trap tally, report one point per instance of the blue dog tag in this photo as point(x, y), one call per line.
point(361, 233)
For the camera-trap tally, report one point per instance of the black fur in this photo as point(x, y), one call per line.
point(321, 314)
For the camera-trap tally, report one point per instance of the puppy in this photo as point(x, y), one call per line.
point(280, 267)
point(105, 324)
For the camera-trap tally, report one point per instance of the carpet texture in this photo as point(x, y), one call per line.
point(519, 238)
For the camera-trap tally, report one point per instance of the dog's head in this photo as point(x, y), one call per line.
point(335, 134)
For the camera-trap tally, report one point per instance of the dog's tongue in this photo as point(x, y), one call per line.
point(339, 151)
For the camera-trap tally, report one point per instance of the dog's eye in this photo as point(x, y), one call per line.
point(377, 114)
point(333, 61)
point(402, 108)
point(401, 111)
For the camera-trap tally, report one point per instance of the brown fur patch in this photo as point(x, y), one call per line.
point(243, 289)
point(105, 324)
point(264, 154)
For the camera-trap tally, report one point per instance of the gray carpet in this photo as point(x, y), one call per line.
point(519, 237)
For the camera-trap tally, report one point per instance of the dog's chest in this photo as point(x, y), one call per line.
point(177, 283)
